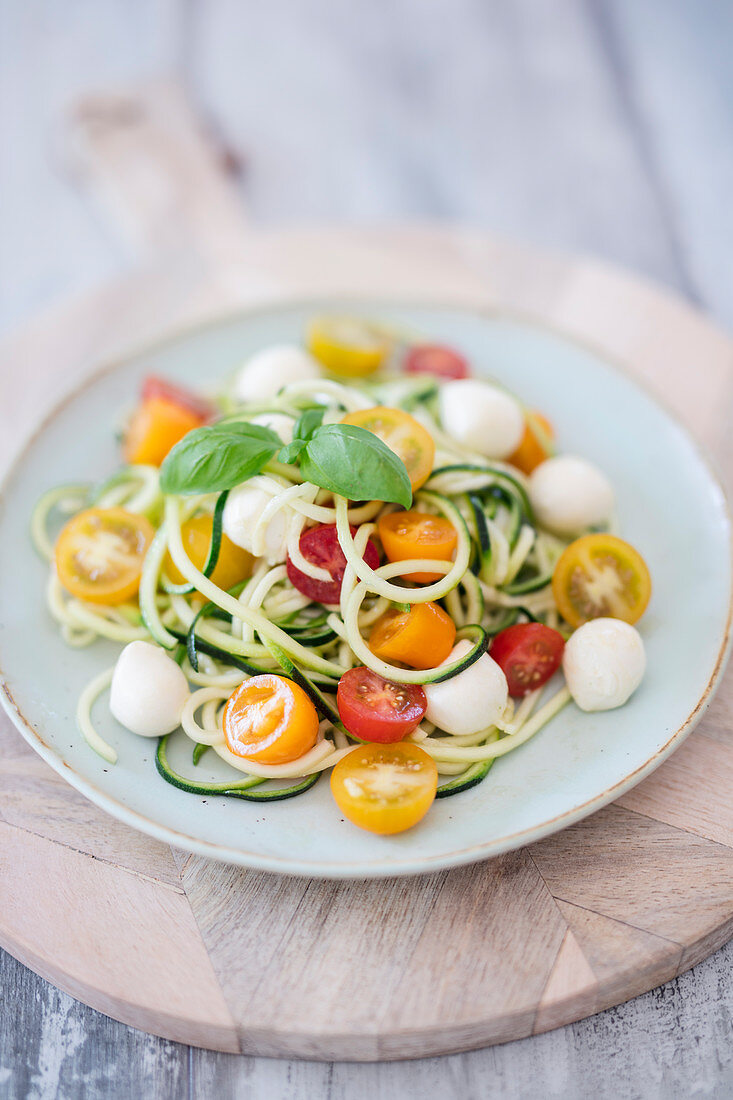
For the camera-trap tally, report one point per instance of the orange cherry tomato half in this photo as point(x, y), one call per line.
point(233, 564)
point(601, 575)
point(270, 720)
point(375, 709)
point(100, 553)
point(536, 443)
point(155, 428)
point(416, 534)
point(403, 435)
point(385, 788)
point(153, 386)
point(421, 637)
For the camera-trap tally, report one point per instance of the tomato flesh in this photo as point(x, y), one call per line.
point(347, 346)
point(100, 552)
point(153, 386)
point(270, 720)
point(414, 534)
point(421, 637)
point(375, 709)
point(535, 445)
point(438, 360)
point(233, 564)
point(600, 576)
point(385, 788)
point(320, 546)
point(529, 654)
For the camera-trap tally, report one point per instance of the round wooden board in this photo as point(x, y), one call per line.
point(237, 960)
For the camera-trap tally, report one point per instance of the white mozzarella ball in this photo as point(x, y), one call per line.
point(279, 423)
point(604, 663)
point(481, 416)
point(148, 690)
point(472, 700)
point(569, 494)
point(268, 371)
point(243, 509)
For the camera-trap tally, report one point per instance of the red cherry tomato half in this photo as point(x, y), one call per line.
point(375, 709)
point(437, 360)
point(177, 395)
point(320, 546)
point(528, 654)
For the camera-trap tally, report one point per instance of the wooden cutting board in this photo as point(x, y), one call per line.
point(241, 961)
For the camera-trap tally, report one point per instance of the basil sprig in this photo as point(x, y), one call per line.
point(342, 458)
point(218, 457)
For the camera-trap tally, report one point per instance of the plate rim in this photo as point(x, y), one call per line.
point(371, 869)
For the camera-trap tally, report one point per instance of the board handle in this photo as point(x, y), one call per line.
point(147, 159)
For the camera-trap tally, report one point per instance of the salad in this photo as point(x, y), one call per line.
point(356, 558)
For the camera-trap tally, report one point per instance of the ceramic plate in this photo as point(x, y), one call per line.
point(670, 506)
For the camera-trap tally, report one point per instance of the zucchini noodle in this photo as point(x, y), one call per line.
point(499, 574)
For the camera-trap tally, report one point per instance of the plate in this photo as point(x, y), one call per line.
point(671, 507)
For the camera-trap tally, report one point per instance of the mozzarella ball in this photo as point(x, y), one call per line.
point(569, 494)
point(481, 416)
point(268, 371)
point(148, 690)
point(472, 700)
point(243, 508)
point(279, 423)
point(603, 662)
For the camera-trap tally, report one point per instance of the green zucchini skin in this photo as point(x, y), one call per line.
point(241, 790)
point(470, 778)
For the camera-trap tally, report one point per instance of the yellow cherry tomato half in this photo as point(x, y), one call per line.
point(100, 553)
point(416, 534)
point(347, 346)
point(154, 429)
point(601, 575)
point(421, 637)
point(536, 444)
point(233, 564)
point(270, 720)
point(385, 788)
point(403, 435)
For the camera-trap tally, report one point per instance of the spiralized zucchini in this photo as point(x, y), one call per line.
point(500, 573)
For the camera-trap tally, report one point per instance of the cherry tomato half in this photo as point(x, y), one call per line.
point(154, 429)
point(320, 546)
point(385, 788)
point(233, 564)
point(153, 386)
point(438, 360)
point(347, 346)
point(270, 720)
point(601, 576)
point(528, 654)
point(100, 553)
point(536, 443)
point(421, 637)
point(403, 435)
point(375, 709)
point(416, 534)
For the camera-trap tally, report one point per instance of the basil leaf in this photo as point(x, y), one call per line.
point(307, 423)
point(217, 457)
point(291, 451)
point(355, 463)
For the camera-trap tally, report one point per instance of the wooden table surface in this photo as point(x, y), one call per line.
point(601, 126)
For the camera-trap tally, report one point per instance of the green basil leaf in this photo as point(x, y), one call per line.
point(291, 451)
point(355, 463)
point(217, 457)
point(307, 423)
